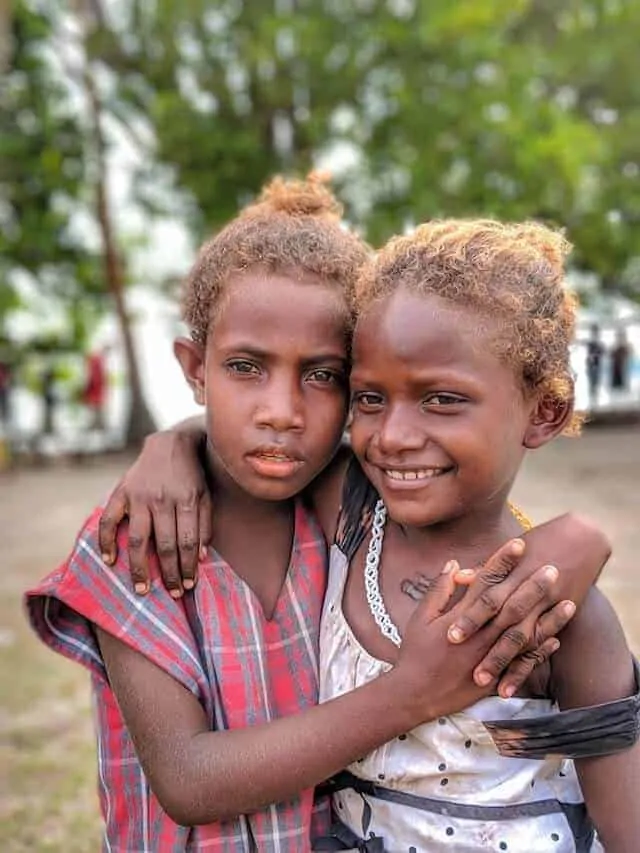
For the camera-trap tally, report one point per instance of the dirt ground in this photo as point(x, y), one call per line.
point(47, 786)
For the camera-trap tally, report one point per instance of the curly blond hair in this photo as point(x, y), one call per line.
point(510, 272)
point(293, 226)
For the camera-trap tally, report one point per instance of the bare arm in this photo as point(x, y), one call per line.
point(200, 776)
point(594, 666)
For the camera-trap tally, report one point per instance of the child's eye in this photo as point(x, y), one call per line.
point(323, 375)
point(443, 399)
point(243, 367)
point(367, 400)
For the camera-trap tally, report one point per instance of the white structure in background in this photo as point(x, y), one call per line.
point(612, 314)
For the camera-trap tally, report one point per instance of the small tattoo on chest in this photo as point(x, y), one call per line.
point(416, 587)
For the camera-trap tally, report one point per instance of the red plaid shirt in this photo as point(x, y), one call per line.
point(244, 669)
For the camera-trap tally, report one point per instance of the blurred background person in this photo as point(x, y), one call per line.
point(594, 363)
point(620, 363)
point(94, 395)
point(6, 380)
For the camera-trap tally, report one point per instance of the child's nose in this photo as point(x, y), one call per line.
point(281, 409)
point(400, 433)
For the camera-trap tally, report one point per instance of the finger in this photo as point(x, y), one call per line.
point(488, 592)
point(205, 515)
point(522, 668)
point(114, 512)
point(528, 635)
point(551, 623)
point(187, 528)
point(165, 531)
point(532, 597)
point(440, 592)
point(138, 547)
point(509, 645)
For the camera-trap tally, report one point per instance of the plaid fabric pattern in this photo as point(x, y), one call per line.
point(244, 670)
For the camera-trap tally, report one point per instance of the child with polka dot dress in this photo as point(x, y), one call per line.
point(460, 366)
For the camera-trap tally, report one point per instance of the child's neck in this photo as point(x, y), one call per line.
point(469, 539)
point(254, 536)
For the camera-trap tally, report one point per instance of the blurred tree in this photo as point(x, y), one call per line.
point(52, 164)
point(593, 73)
point(41, 175)
point(513, 108)
point(89, 17)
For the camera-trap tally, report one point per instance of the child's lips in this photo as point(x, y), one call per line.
point(416, 477)
point(275, 464)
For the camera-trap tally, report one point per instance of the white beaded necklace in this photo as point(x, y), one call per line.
point(372, 577)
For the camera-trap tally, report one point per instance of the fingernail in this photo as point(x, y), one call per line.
point(175, 593)
point(569, 608)
point(203, 553)
point(107, 558)
point(554, 646)
point(141, 588)
point(455, 634)
point(467, 573)
point(517, 546)
point(507, 692)
point(551, 573)
point(187, 583)
point(450, 566)
point(483, 679)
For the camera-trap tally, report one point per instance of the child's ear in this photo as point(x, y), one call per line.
point(548, 419)
point(191, 358)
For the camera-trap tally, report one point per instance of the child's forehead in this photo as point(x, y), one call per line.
point(427, 330)
point(264, 293)
point(408, 316)
point(281, 306)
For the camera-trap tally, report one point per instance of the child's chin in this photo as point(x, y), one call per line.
point(276, 489)
point(413, 513)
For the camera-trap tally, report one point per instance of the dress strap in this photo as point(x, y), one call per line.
point(578, 733)
point(356, 510)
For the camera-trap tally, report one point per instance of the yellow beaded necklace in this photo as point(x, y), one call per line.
point(523, 520)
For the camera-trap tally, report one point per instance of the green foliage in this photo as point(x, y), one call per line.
point(512, 108)
point(42, 174)
point(498, 107)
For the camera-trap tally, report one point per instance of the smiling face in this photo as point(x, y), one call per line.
point(273, 377)
point(440, 423)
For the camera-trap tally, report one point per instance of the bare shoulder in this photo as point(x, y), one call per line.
point(325, 493)
point(594, 664)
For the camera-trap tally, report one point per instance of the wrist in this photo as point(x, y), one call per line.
point(409, 703)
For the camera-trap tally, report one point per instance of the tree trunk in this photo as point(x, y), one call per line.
point(140, 421)
point(5, 35)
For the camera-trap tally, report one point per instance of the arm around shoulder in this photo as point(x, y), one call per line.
point(592, 667)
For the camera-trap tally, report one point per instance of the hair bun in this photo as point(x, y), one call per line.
point(308, 197)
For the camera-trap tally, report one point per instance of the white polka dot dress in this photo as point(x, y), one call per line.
point(443, 786)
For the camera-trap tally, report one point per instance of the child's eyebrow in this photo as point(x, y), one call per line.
point(323, 358)
point(257, 352)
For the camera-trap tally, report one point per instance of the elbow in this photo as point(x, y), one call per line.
point(188, 802)
point(178, 808)
point(186, 810)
